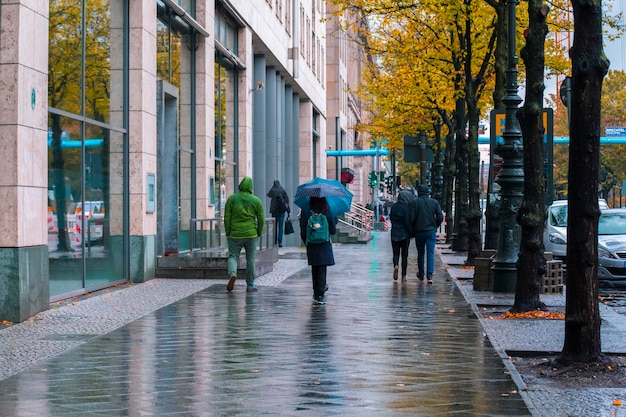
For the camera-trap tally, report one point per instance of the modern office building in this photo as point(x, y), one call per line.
point(121, 121)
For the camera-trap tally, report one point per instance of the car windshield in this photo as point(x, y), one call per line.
point(94, 207)
point(558, 216)
point(612, 224)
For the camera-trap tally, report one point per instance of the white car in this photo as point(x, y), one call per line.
point(612, 245)
point(93, 215)
point(555, 231)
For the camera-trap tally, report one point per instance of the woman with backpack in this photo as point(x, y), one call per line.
point(317, 224)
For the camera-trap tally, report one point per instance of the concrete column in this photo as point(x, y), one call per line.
point(142, 137)
point(271, 143)
point(295, 139)
point(290, 143)
point(305, 141)
point(204, 109)
point(280, 134)
point(260, 126)
point(249, 98)
point(24, 287)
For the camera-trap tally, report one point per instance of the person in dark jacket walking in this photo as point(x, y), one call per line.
point(401, 231)
point(319, 255)
point(244, 219)
point(426, 216)
point(279, 205)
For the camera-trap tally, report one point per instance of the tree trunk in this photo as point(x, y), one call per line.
point(57, 166)
point(448, 181)
point(459, 238)
point(474, 242)
point(448, 178)
point(589, 66)
point(531, 264)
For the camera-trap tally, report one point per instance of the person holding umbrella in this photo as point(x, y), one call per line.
point(329, 198)
point(319, 255)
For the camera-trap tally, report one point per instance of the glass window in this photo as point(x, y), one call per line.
point(64, 56)
point(86, 113)
point(226, 32)
point(174, 67)
point(170, 31)
point(225, 128)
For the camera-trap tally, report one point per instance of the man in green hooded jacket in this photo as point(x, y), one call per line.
point(244, 219)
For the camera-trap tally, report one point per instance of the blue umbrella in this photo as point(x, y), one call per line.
point(338, 197)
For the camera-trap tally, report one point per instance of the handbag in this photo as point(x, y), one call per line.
point(288, 226)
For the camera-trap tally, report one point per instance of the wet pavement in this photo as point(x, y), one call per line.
point(377, 348)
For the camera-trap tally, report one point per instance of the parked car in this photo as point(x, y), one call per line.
point(555, 231)
point(93, 215)
point(612, 245)
point(93, 209)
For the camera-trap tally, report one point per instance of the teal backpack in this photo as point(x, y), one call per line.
point(317, 229)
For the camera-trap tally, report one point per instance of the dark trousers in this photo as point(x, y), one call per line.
point(319, 280)
point(425, 243)
point(401, 251)
point(279, 229)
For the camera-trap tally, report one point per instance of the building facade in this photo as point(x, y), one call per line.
point(123, 121)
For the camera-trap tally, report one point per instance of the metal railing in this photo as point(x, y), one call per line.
point(209, 235)
point(359, 218)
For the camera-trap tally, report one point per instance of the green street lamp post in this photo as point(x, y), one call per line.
point(511, 176)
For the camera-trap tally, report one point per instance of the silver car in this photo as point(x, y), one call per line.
point(555, 232)
point(612, 245)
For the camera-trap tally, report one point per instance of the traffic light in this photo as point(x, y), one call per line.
point(389, 184)
point(372, 179)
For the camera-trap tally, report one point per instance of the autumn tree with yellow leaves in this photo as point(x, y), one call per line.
point(429, 63)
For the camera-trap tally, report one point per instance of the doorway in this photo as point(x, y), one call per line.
point(167, 186)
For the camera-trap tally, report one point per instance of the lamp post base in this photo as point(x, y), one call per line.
point(504, 277)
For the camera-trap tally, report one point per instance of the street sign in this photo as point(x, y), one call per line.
point(616, 131)
point(411, 149)
point(499, 123)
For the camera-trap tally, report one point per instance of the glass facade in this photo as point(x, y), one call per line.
point(175, 68)
point(226, 114)
point(225, 128)
point(85, 125)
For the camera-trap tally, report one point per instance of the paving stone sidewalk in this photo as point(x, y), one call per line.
point(167, 347)
point(379, 347)
point(541, 336)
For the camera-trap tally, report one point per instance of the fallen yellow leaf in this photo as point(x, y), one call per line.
point(537, 314)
